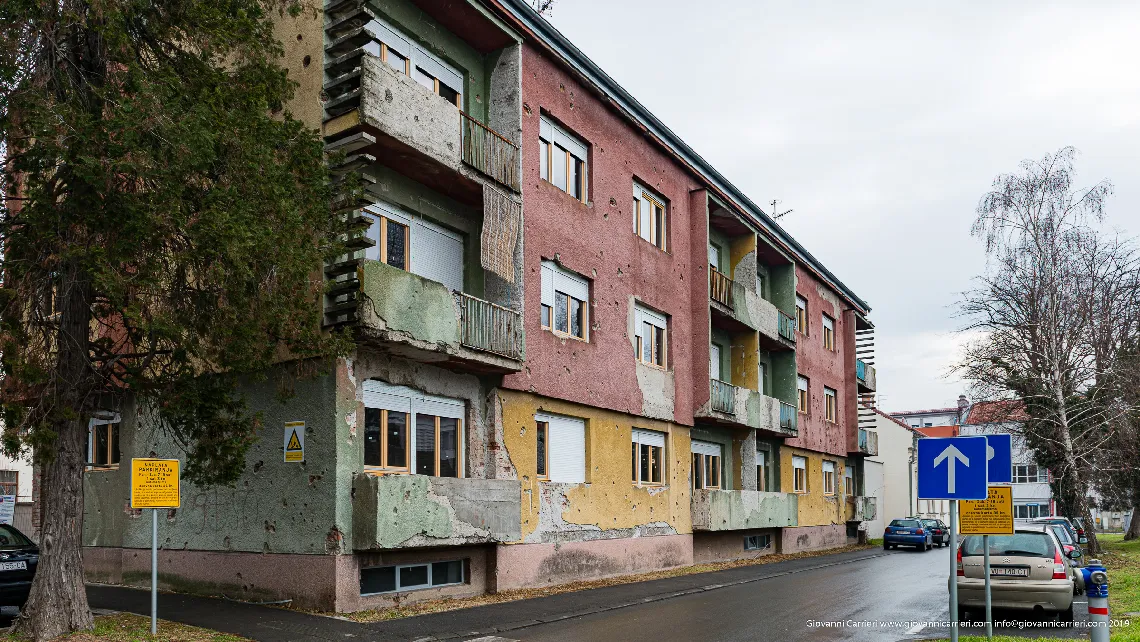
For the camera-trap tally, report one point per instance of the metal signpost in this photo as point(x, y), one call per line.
point(154, 485)
point(952, 468)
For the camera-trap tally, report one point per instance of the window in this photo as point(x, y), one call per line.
point(828, 333)
point(757, 542)
point(564, 296)
point(414, 245)
point(9, 482)
point(410, 577)
point(562, 159)
point(762, 471)
point(802, 394)
point(565, 446)
point(1029, 474)
point(650, 341)
point(649, 218)
point(1027, 511)
point(542, 453)
point(103, 441)
point(407, 431)
point(829, 405)
point(707, 471)
point(648, 457)
point(829, 478)
point(412, 60)
point(801, 315)
point(714, 362)
point(799, 474)
point(849, 481)
point(763, 379)
point(714, 255)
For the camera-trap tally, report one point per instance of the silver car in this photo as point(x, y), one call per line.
point(1029, 570)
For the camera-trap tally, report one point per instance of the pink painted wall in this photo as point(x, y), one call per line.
point(597, 240)
point(528, 565)
point(824, 368)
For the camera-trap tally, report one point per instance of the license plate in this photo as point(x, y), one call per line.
point(13, 566)
point(1008, 571)
point(902, 532)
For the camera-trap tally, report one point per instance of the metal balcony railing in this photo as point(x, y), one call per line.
point(489, 327)
point(489, 152)
point(787, 327)
point(860, 370)
point(723, 396)
point(787, 416)
point(720, 287)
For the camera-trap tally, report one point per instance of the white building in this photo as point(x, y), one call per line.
point(1032, 496)
point(894, 466)
point(16, 477)
point(934, 416)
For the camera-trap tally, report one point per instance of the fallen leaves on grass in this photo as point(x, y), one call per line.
point(126, 627)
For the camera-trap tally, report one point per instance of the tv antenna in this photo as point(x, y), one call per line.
point(776, 215)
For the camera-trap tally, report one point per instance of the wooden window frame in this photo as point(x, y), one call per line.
point(408, 72)
point(828, 334)
point(384, 468)
point(91, 433)
point(702, 465)
point(568, 334)
point(437, 449)
point(830, 404)
point(383, 221)
point(848, 488)
point(571, 159)
point(656, 454)
point(653, 347)
point(657, 229)
point(544, 428)
point(762, 470)
point(802, 316)
point(829, 484)
point(803, 397)
point(799, 479)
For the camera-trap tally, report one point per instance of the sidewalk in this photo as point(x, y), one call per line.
point(268, 624)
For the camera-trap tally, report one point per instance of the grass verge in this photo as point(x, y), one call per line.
point(127, 627)
point(451, 604)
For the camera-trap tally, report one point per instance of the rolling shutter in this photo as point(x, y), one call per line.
point(556, 279)
point(385, 396)
point(566, 439)
point(706, 448)
point(548, 283)
point(714, 362)
point(649, 437)
point(437, 254)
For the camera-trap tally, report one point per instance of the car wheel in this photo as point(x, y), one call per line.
point(886, 546)
point(1066, 615)
point(963, 614)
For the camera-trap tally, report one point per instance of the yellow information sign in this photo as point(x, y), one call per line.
point(154, 483)
point(990, 516)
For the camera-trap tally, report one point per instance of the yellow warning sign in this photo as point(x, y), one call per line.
point(990, 516)
point(294, 441)
point(154, 483)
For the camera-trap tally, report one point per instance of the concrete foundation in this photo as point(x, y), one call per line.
point(727, 546)
point(524, 565)
point(812, 538)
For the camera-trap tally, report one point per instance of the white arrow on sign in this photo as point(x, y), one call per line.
point(949, 455)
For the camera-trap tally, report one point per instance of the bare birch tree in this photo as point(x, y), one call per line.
point(1048, 318)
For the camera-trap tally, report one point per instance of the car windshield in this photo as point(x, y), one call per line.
point(1029, 544)
point(12, 538)
point(906, 523)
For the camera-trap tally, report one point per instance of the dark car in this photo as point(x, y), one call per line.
point(1059, 521)
point(939, 532)
point(18, 559)
point(907, 532)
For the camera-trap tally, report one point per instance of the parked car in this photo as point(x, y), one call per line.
point(907, 532)
point(939, 531)
point(1068, 544)
point(1028, 571)
point(1079, 523)
point(18, 559)
point(1059, 521)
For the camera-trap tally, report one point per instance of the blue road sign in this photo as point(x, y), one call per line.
point(1000, 453)
point(952, 468)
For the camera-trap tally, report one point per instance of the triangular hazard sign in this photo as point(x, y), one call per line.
point(294, 443)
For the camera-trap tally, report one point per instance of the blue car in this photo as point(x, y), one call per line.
point(907, 532)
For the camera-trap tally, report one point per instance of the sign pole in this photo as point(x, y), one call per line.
point(954, 571)
point(154, 571)
point(986, 570)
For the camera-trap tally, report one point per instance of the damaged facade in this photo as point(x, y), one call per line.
point(580, 352)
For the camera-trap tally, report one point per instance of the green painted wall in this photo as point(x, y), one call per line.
point(783, 287)
point(784, 375)
point(719, 239)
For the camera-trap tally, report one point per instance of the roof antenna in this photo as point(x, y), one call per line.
point(778, 215)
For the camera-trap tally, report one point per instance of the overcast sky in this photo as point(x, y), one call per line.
point(881, 125)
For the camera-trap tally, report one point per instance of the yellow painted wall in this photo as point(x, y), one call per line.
point(609, 499)
point(746, 360)
point(815, 508)
point(740, 246)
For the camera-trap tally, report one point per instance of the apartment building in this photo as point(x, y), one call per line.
point(1032, 494)
point(580, 351)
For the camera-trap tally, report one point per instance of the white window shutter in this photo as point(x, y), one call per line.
point(653, 318)
point(437, 254)
point(386, 34)
point(649, 437)
point(566, 446)
point(438, 68)
point(547, 283)
point(706, 448)
point(570, 284)
point(545, 130)
point(378, 394)
point(714, 361)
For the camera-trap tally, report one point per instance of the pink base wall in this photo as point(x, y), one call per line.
point(812, 538)
point(527, 565)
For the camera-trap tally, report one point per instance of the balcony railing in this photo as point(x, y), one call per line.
point(489, 327)
point(860, 370)
point(787, 327)
point(868, 442)
point(723, 396)
point(787, 416)
point(720, 287)
point(487, 151)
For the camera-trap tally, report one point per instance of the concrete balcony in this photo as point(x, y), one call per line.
point(420, 319)
point(739, 407)
point(410, 511)
point(865, 376)
point(730, 510)
point(737, 307)
point(860, 508)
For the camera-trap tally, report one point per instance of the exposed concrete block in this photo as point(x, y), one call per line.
point(727, 510)
point(397, 105)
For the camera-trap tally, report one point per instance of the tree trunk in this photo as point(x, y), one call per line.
point(1134, 525)
point(58, 600)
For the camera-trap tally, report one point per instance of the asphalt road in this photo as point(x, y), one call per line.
point(882, 598)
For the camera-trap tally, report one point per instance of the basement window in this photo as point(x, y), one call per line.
point(757, 542)
point(410, 577)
